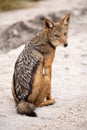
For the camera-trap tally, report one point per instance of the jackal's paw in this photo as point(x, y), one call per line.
point(46, 103)
point(52, 101)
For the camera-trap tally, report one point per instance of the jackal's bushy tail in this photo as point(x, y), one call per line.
point(26, 108)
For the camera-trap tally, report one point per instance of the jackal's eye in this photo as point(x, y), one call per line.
point(65, 34)
point(56, 35)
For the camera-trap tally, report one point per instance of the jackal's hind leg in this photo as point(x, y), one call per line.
point(44, 93)
point(46, 103)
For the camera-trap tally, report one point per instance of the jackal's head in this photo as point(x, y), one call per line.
point(57, 32)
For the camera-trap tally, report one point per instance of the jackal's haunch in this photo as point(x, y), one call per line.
point(32, 72)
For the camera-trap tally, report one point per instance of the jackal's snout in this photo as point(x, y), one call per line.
point(65, 44)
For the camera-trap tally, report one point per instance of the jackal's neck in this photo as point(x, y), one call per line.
point(42, 43)
point(39, 38)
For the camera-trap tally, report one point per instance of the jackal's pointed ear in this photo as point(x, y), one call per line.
point(65, 21)
point(48, 24)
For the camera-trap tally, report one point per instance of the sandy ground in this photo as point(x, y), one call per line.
point(69, 82)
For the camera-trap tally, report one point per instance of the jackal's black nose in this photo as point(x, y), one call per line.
point(65, 44)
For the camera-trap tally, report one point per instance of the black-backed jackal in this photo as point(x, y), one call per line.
point(32, 72)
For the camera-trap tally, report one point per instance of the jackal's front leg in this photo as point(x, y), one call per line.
point(48, 71)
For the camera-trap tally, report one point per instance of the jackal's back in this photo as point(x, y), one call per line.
point(25, 68)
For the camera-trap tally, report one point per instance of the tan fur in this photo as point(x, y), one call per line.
point(41, 87)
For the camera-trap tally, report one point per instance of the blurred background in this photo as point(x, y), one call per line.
point(6, 5)
point(21, 19)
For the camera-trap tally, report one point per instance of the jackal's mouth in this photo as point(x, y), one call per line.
point(65, 44)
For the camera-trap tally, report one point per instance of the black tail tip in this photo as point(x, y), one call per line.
point(32, 114)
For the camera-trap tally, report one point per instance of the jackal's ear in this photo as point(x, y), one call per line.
point(48, 24)
point(65, 21)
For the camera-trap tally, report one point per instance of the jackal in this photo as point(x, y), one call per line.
point(32, 72)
